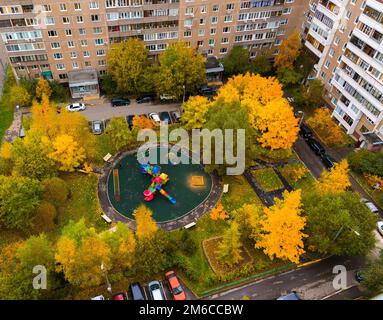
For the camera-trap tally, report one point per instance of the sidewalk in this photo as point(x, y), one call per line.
point(14, 130)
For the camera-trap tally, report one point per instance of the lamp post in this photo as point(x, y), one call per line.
point(341, 229)
point(109, 286)
point(183, 98)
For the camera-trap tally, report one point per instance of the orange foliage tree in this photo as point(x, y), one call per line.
point(146, 225)
point(336, 180)
point(282, 235)
point(288, 52)
point(142, 122)
point(218, 213)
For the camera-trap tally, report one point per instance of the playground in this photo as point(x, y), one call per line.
point(171, 191)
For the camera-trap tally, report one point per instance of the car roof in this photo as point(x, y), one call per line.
point(290, 296)
point(371, 206)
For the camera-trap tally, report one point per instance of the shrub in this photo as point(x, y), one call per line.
point(56, 191)
point(365, 161)
point(44, 218)
point(187, 244)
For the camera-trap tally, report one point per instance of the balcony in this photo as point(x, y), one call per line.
point(329, 9)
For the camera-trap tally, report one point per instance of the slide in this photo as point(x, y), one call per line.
point(166, 195)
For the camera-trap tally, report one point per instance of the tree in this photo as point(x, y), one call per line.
point(194, 112)
point(67, 152)
point(56, 191)
point(128, 63)
point(44, 118)
point(31, 158)
point(44, 218)
point(146, 226)
point(218, 213)
point(120, 134)
point(237, 61)
point(288, 52)
point(180, 69)
point(19, 96)
point(289, 77)
point(43, 88)
point(326, 128)
point(6, 150)
point(282, 235)
point(142, 122)
point(229, 249)
point(336, 180)
point(373, 275)
point(249, 218)
point(261, 64)
point(122, 245)
point(313, 93)
point(19, 196)
point(367, 162)
point(338, 223)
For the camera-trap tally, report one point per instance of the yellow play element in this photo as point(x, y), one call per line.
point(197, 181)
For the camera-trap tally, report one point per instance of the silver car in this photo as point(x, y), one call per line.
point(155, 289)
point(78, 106)
point(97, 127)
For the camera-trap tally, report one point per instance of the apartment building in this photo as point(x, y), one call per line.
point(67, 40)
point(347, 38)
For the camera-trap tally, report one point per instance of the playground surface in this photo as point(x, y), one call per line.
point(174, 203)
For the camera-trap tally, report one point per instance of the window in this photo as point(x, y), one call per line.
point(84, 43)
point(202, 21)
point(93, 5)
point(215, 7)
point(80, 19)
point(75, 65)
point(223, 50)
point(86, 54)
point(52, 33)
point(214, 20)
point(82, 31)
point(226, 30)
point(77, 6)
point(224, 40)
point(228, 19)
point(58, 56)
point(213, 31)
point(189, 11)
point(70, 44)
point(66, 20)
point(211, 42)
point(63, 76)
point(62, 7)
point(230, 6)
point(47, 8)
point(201, 32)
point(49, 20)
point(97, 30)
point(60, 66)
point(68, 32)
point(99, 42)
point(100, 52)
point(327, 64)
point(55, 45)
point(95, 17)
point(88, 64)
point(187, 34)
point(102, 63)
point(73, 55)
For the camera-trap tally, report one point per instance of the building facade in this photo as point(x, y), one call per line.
point(55, 39)
point(347, 38)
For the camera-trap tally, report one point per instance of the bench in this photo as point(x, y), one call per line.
point(190, 225)
point(107, 157)
point(106, 218)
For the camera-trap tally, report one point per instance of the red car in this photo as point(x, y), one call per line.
point(120, 296)
point(175, 286)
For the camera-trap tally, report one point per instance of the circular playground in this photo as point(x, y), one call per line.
point(177, 194)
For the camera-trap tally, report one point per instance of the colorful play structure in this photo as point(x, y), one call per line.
point(116, 184)
point(159, 179)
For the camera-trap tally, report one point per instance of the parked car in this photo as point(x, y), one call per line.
point(22, 132)
point(328, 161)
point(290, 296)
point(78, 106)
point(97, 127)
point(167, 98)
point(120, 296)
point(208, 91)
point(100, 297)
point(146, 98)
point(305, 131)
point(137, 292)
point(117, 102)
point(175, 286)
point(176, 116)
point(155, 117)
point(370, 205)
point(379, 226)
point(165, 117)
point(359, 276)
point(155, 290)
point(129, 120)
point(315, 146)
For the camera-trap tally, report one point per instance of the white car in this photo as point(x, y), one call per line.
point(379, 226)
point(167, 97)
point(100, 297)
point(370, 205)
point(155, 117)
point(78, 106)
point(155, 290)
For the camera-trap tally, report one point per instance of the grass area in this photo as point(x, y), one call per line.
point(103, 147)
point(240, 192)
point(305, 182)
point(267, 179)
point(6, 115)
point(376, 195)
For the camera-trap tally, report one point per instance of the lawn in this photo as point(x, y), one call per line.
point(306, 182)
point(240, 192)
point(377, 195)
point(267, 179)
point(6, 116)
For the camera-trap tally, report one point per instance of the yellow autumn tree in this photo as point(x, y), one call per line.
point(334, 181)
point(146, 226)
point(249, 218)
point(67, 152)
point(325, 127)
point(194, 112)
point(43, 88)
point(269, 112)
point(374, 181)
point(218, 213)
point(229, 249)
point(44, 118)
point(6, 150)
point(142, 122)
point(288, 52)
point(282, 235)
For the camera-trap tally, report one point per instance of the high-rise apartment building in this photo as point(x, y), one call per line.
point(347, 38)
point(58, 39)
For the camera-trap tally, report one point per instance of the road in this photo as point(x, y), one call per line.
point(104, 110)
point(310, 282)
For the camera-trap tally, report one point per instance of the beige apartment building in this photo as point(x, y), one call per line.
point(347, 38)
point(68, 40)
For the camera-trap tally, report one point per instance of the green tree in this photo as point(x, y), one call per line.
point(44, 218)
point(313, 93)
point(261, 64)
point(249, 218)
point(19, 96)
point(289, 77)
point(120, 134)
point(229, 250)
point(31, 159)
point(373, 275)
point(338, 223)
point(19, 196)
point(364, 161)
point(237, 61)
point(56, 191)
point(179, 68)
point(194, 112)
point(128, 63)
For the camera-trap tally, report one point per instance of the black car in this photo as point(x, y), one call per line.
point(145, 99)
point(165, 117)
point(129, 120)
point(208, 91)
point(137, 292)
point(328, 161)
point(315, 146)
point(359, 276)
point(116, 102)
point(305, 131)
